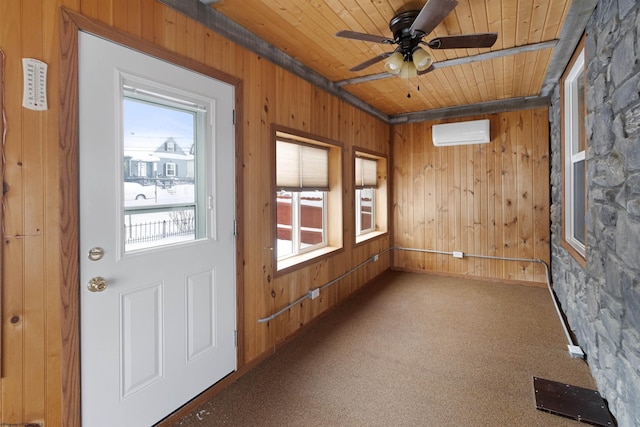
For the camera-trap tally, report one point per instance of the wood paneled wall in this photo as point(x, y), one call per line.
point(488, 199)
point(31, 384)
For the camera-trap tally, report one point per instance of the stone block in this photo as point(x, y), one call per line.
point(609, 237)
point(603, 137)
point(612, 326)
point(629, 148)
point(631, 297)
point(614, 172)
point(629, 348)
point(623, 58)
point(624, 7)
point(597, 194)
point(607, 172)
point(633, 184)
point(612, 276)
point(599, 93)
point(605, 13)
point(626, 94)
point(633, 207)
point(631, 122)
point(608, 215)
point(627, 241)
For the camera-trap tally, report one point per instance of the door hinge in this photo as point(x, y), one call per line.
point(234, 117)
point(235, 227)
point(235, 337)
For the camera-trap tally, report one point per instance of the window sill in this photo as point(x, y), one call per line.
point(580, 259)
point(299, 261)
point(371, 235)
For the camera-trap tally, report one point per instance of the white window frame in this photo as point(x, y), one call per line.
point(572, 155)
point(168, 166)
point(301, 177)
point(359, 230)
point(137, 89)
point(366, 177)
point(297, 229)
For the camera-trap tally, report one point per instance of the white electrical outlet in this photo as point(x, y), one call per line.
point(575, 351)
point(457, 254)
point(314, 293)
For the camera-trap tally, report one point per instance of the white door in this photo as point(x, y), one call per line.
point(157, 204)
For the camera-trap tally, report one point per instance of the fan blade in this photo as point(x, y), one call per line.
point(464, 41)
point(370, 62)
point(428, 70)
point(432, 13)
point(363, 36)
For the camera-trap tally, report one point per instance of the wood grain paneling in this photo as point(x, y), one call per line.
point(40, 382)
point(306, 32)
point(472, 185)
point(488, 199)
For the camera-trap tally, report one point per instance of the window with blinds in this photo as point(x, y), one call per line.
point(366, 182)
point(302, 181)
point(301, 167)
point(366, 173)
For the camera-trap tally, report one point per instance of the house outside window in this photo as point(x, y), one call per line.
point(171, 209)
point(308, 211)
point(574, 149)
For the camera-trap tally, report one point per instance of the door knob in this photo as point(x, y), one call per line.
point(97, 284)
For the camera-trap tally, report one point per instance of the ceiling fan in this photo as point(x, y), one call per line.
point(408, 28)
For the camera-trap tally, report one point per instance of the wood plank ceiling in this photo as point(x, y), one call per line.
point(535, 39)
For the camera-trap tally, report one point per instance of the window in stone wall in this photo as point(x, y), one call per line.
point(573, 148)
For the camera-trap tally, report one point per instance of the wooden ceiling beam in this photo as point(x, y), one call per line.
point(570, 35)
point(578, 15)
point(459, 61)
point(490, 107)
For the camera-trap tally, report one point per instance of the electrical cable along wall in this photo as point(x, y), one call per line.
point(490, 199)
point(574, 350)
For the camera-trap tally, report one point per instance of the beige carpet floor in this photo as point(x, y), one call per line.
point(410, 350)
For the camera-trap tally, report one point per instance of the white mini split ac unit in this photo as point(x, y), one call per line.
point(461, 133)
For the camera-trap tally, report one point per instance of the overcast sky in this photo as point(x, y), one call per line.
point(147, 126)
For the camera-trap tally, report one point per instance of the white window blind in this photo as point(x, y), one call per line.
point(301, 167)
point(366, 173)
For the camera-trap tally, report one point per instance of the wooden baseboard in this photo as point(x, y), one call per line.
point(466, 276)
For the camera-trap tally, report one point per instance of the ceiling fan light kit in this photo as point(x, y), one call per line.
point(408, 28)
point(408, 70)
point(394, 63)
point(421, 58)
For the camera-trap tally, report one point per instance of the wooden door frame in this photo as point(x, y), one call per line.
point(70, 24)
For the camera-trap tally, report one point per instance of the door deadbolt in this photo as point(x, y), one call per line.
point(97, 284)
point(96, 253)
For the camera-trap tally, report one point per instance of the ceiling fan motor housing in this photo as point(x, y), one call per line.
point(400, 26)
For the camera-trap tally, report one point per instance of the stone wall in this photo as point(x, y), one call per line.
point(602, 302)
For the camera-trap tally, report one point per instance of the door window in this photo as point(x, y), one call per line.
point(163, 136)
